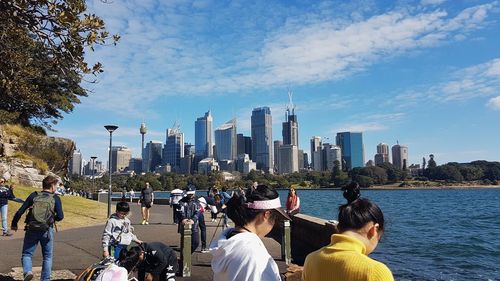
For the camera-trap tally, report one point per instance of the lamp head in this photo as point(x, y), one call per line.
point(111, 128)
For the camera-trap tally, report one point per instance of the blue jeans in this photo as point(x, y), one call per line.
point(31, 239)
point(4, 210)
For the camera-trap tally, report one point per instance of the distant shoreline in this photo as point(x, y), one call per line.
point(397, 187)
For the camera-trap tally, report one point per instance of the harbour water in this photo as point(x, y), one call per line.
point(446, 234)
point(442, 234)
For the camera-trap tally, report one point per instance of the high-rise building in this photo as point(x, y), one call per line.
point(331, 153)
point(135, 164)
point(188, 149)
point(120, 158)
point(244, 144)
point(305, 160)
point(288, 159)
point(382, 155)
point(173, 151)
point(400, 156)
point(75, 163)
point(203, 136)
point(316, 153)
point(277, 145)
point(152, 155)
point(290, 133)
point(352, 149)
point(187, 164)
point(226, 141)
point(262, 139)
point(290, 129)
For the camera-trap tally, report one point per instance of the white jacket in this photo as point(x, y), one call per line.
point(117, 231)
point(243, 257)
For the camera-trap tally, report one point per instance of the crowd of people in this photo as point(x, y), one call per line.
point(237, 254)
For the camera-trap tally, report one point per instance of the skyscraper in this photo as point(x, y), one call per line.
point(262, 139)
point(75, 165)
point(288, 159)
point(135, 164)
point(226, 141)
point(382, 155)
point(316, 153)
point(120, 158)
point(331, 153)
point(400, 156)
point(244, 144)
point(203, 136)
point(173, 150)
point(277, 145)
point(152, 156)
point(290, 129)
point(351, 144)
point(290, 133)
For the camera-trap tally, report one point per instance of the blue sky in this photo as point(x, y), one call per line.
point(424, 73)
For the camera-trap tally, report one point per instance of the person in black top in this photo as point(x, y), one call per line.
point(45, 208)
point(154, 261)
point(189, 214)
point(146, 201)
point(6, 194)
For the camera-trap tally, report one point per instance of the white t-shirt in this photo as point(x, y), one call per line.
point(243, 257)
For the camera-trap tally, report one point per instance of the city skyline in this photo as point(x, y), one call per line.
point(424, 73)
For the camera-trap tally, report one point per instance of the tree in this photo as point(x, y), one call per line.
point(393, 174)
point(470, 172)
point(42, 61)
point(431, 164)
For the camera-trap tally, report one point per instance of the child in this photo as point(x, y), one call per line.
point(118, 234)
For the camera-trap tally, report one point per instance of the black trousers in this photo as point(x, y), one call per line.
point(175, 213)
point(203, 230)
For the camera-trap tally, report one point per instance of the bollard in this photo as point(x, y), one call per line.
point(286, 245)
point(186, 250)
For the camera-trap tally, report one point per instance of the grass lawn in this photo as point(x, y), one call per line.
point(78, 211)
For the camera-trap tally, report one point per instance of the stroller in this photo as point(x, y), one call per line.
point(105, 270)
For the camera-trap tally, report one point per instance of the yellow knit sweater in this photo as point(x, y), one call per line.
point(344, 259)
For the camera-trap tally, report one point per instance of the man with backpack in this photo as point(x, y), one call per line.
point(45, 208)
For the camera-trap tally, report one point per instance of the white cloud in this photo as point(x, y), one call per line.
point(167, 49)
point(482, 80)
point(372, 122)
point(432, 2)
point(494, 103)
point(360, 127)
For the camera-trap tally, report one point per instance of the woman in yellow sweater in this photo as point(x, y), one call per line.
point(361, 224)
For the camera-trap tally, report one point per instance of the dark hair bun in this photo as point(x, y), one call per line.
point(351, 192)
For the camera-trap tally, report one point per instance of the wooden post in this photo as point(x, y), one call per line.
point(286, 246)
point(186, 250)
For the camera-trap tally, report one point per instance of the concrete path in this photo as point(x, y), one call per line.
point(76, 249)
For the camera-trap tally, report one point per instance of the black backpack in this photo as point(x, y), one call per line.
point(41, 216)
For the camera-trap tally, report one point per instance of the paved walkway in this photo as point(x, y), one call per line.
point(76, 249)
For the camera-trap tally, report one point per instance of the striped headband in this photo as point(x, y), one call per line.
point(264, 204)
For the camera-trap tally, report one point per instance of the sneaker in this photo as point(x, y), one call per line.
point(28, 276)
point(204, 250)
point(7, 233)
point(213, 220)
point(143, 222)
point(147, 222)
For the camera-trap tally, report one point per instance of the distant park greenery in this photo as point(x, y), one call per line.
point(42, 58)
point(475, 173)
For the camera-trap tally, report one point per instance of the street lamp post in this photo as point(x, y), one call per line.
point(111, 129)
point(93, 174)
